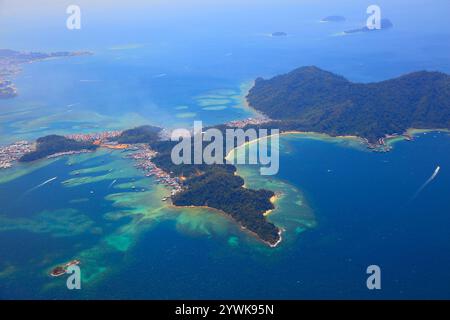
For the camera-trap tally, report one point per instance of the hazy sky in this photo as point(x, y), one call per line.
point(38, 21)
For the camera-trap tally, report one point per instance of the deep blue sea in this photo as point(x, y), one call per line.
point(170, 63)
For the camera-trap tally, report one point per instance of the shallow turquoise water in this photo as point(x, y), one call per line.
point(161, 67)
point(364, 211)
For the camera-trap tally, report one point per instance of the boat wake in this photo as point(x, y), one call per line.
point(430, 179)
point(112, 183)
point(41, 185)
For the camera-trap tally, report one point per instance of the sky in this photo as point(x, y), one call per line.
point(40, 24)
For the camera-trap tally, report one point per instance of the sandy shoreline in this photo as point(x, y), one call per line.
point(389, 140)
point(230, 218)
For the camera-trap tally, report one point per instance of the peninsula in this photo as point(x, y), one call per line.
point(214, 186)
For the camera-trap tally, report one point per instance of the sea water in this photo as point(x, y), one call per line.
point(343, 208)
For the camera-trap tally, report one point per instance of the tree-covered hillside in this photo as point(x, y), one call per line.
point(312, 99)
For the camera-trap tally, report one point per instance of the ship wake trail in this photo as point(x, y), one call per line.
point(112, 183)
point(40, 185)
point(430, 179)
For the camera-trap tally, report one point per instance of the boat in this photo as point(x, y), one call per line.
point(60, 270)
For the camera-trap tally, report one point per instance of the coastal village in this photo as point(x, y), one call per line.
point(13, 152)
point(141, 153)
point(249, 121)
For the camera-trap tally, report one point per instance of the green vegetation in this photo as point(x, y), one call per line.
point(217, 186)
point(52, 144)
point(311, 99)
point(142, 134)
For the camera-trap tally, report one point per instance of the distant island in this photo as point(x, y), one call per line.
point(11, 61)
point(385, 24)
point(333, 19)
point(279, 34)
point(311, 99)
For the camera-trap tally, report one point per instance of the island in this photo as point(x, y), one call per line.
point(311, 99)
point(384, 24)
point(279, 34)
point(333, 19)
point(11, 62)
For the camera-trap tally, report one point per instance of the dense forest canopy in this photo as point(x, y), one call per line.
point(312, 99)
point(217, 186)
point(52, 144)
point(142, 134)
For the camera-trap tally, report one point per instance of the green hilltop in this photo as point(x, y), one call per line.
point(311, 99)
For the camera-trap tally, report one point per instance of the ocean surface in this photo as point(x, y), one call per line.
point(343, 208)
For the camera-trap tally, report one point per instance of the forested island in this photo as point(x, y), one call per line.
point(311, 99)
point(53, 144)
point(217, 186)
point(279, 34)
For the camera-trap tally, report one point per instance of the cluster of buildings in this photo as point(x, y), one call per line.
point(143, 156)
point(248, 121)
point(92, 137)
point(382, 146)
point(141, 153)
point(14, 152)
point(7, 89)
